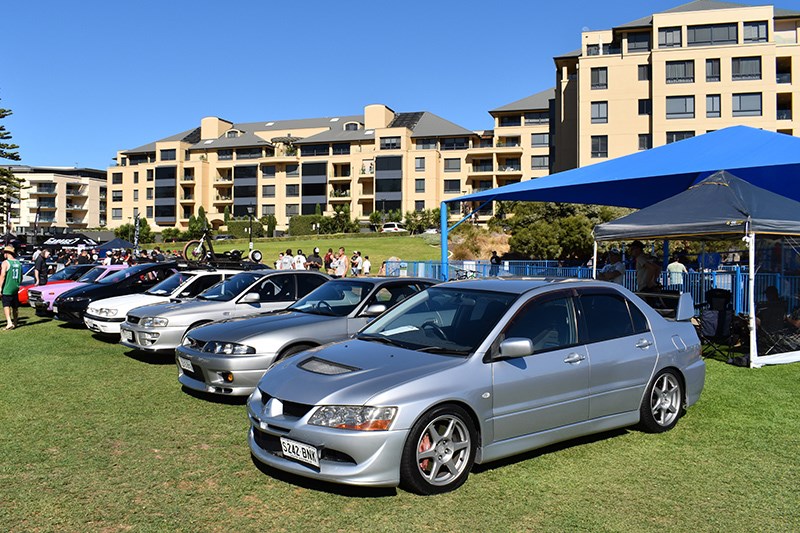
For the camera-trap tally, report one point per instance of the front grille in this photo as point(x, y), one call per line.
point(272, 444)
point(293, 409)
point(133, 319)
point(195, 373)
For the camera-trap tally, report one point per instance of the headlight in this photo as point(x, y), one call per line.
point(75, 299)
point(153, 322)
point(102, 311)
point(355, 417)
point(228, 348)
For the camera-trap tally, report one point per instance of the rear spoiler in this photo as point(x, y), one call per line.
point(674, 306)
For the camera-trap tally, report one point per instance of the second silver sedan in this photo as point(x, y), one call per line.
point(230, 357)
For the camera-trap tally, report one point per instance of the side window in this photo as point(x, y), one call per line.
point(392, 294)
point(640, 324)
point(549, 324)
point(277, 289)
point(605, 316)
point(200, 284)
point(306, 284)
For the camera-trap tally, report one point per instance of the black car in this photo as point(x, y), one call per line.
point(71, 305)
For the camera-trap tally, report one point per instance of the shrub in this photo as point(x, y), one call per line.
point(239, 228)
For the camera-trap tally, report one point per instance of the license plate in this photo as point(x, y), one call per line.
point(299, 451)
point(127, 334)
point(185, 364)
point(55, 309)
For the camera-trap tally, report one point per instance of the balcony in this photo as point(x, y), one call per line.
point(225, 180)
point(76, 191)
point(73, 220)
point(482, 169)
point(187, 198)
point(187, 178)
point(222, 198)
point(343, 194)
point(45, 189)
point(367, 168)
point(46, 205)
point(510, 168)
point(76, 207)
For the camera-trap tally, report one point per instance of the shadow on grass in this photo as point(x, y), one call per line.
point(324, 486)
point(105, 338)
point(214, 398)
point(152, 358)
point(25, 321)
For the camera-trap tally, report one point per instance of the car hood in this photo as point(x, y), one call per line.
point(376, 369)
point(128, 302)
point(178, 308)
point(240, 329)
point(51, 292)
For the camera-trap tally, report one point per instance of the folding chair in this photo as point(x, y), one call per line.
point(716, 319)
point(774, 334)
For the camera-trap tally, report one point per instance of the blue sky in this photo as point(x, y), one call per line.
point(87, 78)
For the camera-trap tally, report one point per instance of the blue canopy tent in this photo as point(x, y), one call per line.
point(115, 244)
point(766, 159)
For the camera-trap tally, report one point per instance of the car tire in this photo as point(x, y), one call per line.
point(439, 451)
point(662, 404)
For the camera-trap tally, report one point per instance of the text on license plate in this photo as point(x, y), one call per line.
point(127, 335)
point(55, 309)
point(185, 364)
point(301, 452)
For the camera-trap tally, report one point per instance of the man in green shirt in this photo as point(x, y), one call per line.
point(10, 278)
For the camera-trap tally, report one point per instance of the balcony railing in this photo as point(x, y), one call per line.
point(339, 193)
point(784, 114)
point(46, 205)
point(46, 189)
point(188, 178)
point(482, 168)
point(510, 168)
point(78, 191)
point(224, 198)
point(784, 77)
point(223, 179)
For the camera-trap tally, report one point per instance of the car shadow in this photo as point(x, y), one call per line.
point(324, 486)
point(151, 358)
point(25, 321)
point(580, 441)
point(108, 339)
point(214, 398)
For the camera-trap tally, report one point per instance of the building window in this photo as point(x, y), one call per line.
point(645, 106)
point(224, 155)
point(149, 194)
point(746, 105)
point(510, 121)
point(351, 126)
point(644, 72)
point(645, 141)
point(452, 186)
point(116, 196)
point(540, 139)
point(135, 177)
point(116, 178)
point(426, 144)
point(755, 32)
point(599, 146)
point(292, 171)
point(135, 212)
point(149, 211)
point(669, 37)
point(419, 185)
point(639, 42)
point(599, 78)
point(249, 153)
point(150, 175)
point(712, 34)
point(267, 209)
point(680, 107)
point(268, 171)
point(419, 205)
point(712, 70)
point(136, 195)
point(419, 164)
point(168, 155)
point(452, 165)
point(292, 189)
point(599, 112)
point(390, 143)
point(268, 191)
point(674, 136)
point(680, 71)
point(314, 150)
point(540, 161)
point(292, 210)
point(231, 134)
point(592, 49)
point(116, 213)
point(341, 149)
point(713, 106)
point(537, 117)
point(456, 143)
point(746, 68)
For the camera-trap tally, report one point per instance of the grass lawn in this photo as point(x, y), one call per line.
point(95, 438)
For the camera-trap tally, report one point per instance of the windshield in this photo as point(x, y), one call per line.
point(448, 320)
point(334, 298)
point(67, 273)
point(228, 289)
point(92, 275)
point(169, 285)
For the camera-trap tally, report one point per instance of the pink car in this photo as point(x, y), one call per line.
point(42, 298)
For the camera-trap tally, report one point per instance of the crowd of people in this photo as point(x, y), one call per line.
point(337, 264)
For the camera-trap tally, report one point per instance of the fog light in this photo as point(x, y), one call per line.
point(226, 376)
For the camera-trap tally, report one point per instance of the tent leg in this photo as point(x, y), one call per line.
point(443, 239)
point(594, 261)
point(751, 298)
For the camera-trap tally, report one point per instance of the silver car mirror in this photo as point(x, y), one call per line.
point(250, 298)
point(516, 347)
point(374, 310)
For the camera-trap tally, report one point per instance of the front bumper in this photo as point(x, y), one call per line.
point(151, 339)
point(368, 458)
point(98, 324)
point(70, 312)
point(206, 371)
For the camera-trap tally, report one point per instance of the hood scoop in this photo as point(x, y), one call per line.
point(328, 368)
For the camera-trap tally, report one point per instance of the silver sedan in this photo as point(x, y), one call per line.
point(230, 357)
point(475, 371)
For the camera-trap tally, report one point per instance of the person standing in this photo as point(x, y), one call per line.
point(355, 264)
point(614, 269)
point(339, 265)
point(676, 271)
point(299, 260)
point(84, 258)
point(40, 267)
point(314, 261)
point(326, 261)
point(287, 263)
point(366, 266)
point(10, 279)
point(647, 268)
point(494, 261)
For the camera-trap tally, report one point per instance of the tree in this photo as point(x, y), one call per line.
point(10, 185)
point(226, 215)
point(128, 232)
point(197, 224)
point(269, 222)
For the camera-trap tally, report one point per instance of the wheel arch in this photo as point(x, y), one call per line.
point(466, 407)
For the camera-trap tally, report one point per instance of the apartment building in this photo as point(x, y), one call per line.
point(63, 198)
point(685, 71)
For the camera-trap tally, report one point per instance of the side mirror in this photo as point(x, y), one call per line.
point(250, 298)
point(516, 347)
point(374, 310)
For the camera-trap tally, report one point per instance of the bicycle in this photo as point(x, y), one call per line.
point(202, 251)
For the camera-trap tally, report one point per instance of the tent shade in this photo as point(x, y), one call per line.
point(717, 207)
point(766, 159)
point(115, 244)
point(70, 240)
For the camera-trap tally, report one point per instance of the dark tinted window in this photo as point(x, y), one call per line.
point(605, 316)
point(390, 295)
point(200, 284)
point(276, 289)
point(306, 284)
point(549, 324)
point(639, 321)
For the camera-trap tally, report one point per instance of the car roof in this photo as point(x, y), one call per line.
point(519, 285)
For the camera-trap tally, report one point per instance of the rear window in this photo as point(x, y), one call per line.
point(606, 316)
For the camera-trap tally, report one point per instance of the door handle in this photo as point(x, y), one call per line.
point(643, 344)
point(574, 358)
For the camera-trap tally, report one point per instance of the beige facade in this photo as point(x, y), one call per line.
point(62, 197)
point(695, 68)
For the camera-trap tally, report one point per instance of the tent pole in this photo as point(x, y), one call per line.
point(594, 261)
point(444, 230)
point(751, 297)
